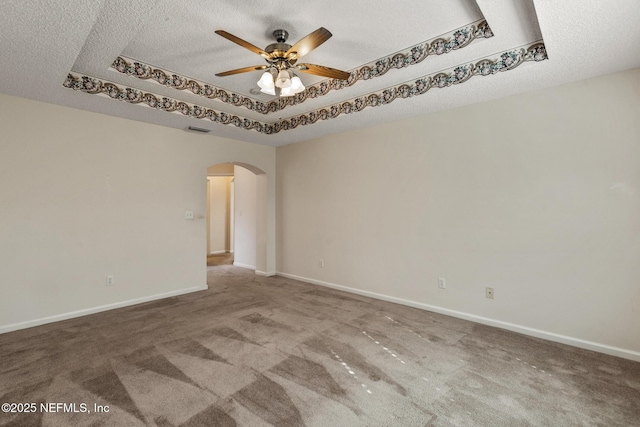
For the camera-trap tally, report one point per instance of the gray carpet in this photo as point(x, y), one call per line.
point(255, 351)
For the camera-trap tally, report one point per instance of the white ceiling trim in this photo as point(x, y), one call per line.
point(445, 43)
point(504, 61)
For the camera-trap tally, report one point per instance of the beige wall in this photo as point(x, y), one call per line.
point(536, 195)
point(84, 195)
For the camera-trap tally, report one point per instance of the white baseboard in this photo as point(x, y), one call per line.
point(525, 330)
point(265, 273)
point(79, 313)
point(217, 252)
point(250, 267)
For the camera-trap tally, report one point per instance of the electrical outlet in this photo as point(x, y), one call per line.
point(188, 215)
point(109, 280)
point(441, 283)
point(489, 292)
point(321, 263)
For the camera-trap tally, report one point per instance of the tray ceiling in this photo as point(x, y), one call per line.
point(155, 61)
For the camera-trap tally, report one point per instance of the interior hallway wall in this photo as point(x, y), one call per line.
point(245, 219)
point(536, 195)
point(105, 209)
point(219, 224)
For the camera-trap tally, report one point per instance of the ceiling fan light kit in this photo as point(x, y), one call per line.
point(282, 58)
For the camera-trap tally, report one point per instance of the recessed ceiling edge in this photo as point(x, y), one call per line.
point(501, 62)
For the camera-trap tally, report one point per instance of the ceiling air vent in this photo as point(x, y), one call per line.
point(201, 130)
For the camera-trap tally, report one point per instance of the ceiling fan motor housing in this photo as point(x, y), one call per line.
point(279, 49)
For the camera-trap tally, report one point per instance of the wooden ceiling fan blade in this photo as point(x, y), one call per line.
point(245, 44)
point(321, 70)
point(242, 70)
point(308, 43)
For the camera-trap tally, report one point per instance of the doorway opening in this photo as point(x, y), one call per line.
point(220, 215)
point(236, 215)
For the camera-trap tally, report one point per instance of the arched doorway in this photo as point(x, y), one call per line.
point(245, 211)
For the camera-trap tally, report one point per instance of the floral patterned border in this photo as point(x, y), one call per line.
point(96, 86)
point(460, 74)
point(454, 40)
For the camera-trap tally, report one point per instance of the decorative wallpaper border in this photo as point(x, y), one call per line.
point(460, 74)
point(96, 86)
point(454, 40)
point(485, 67)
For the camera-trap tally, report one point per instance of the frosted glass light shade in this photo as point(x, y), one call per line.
point(266, 81)
point(296, 87)
point(266, 84)
point(283, 80)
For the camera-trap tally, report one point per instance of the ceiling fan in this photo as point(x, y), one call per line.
point(281, 59)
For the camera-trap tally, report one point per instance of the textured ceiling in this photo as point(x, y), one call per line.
point(155, 60)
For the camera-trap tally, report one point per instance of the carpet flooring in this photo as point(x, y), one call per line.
point(269, 351)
